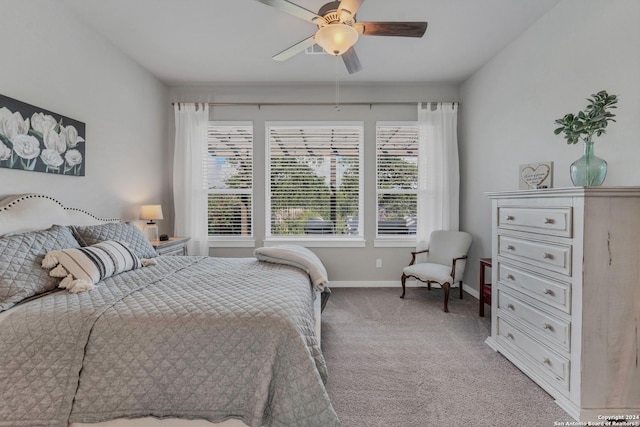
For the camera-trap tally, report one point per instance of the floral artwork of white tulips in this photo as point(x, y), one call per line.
point(33, 139)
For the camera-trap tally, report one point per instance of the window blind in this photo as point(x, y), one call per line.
point(397, 178)
point(230, 179)
point(314, 179)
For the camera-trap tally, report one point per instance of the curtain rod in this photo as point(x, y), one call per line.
point(302, 104)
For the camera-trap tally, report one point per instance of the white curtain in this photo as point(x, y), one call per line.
point(189, 179)
point(438, 170)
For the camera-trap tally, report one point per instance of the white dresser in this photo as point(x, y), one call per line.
point(566, 302)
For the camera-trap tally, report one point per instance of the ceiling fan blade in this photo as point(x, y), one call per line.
point(292, 8)
point(351, 61)
point(350, 5)
point(400, 29)
point(295, 49)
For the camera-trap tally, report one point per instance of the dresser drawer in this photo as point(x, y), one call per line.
point(543, 360)
point(551, 221)
point(552, 256)
point(556, 294)
point(547, 327)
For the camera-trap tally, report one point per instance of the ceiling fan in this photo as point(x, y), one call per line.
point(338, 29)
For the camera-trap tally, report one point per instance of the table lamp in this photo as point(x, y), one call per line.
point(151, 213)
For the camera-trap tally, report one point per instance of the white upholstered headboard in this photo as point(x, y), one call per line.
point(28, 212)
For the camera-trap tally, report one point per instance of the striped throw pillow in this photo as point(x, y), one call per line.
point(81, 268)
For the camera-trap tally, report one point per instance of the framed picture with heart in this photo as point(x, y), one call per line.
point(536, 176)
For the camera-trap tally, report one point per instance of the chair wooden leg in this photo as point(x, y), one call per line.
point(429, 286)
point(460, 289)
point(447, 288)
point(403, 280)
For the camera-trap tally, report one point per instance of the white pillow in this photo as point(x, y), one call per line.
point(82, 268)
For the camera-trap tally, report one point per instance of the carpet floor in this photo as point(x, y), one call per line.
point(406, 363)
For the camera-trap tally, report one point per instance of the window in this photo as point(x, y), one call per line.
point(229, 167)
point(397, 178)
point(314, 179)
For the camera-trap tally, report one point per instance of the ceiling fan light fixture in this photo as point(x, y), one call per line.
point(336, 39)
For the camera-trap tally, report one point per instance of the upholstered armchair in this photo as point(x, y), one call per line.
point(445, 262)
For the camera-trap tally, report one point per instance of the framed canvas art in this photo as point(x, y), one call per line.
point(34, 139)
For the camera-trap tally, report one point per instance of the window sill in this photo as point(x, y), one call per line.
point(394, 242)
point(324, 242)
point(232, 242)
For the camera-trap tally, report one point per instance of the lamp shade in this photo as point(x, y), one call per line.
point(151, 212)
point(336, 39)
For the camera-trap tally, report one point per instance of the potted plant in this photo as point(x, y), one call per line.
point(588, 170)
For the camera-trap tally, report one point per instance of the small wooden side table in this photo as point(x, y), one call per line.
point(175, 246)
point(484, 288)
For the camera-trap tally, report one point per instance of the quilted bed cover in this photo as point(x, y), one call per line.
point(192, 337)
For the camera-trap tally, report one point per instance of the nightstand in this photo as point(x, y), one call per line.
point(484, 288)
point(175, 246)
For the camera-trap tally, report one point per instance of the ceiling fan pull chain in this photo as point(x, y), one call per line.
point(337, 106)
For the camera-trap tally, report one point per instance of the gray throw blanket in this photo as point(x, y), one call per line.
point(302, 258)
point(297, 256)
point(191, 337)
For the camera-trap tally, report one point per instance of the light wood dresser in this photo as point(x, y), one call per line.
point(566, 302)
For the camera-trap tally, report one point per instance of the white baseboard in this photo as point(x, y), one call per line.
point(391, 284)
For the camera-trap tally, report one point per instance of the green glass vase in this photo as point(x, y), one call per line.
point(589, 170)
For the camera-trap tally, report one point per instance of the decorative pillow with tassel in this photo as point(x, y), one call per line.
point(81, 268)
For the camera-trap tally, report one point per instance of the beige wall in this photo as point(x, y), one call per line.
point(509, 106)
point(52, 61)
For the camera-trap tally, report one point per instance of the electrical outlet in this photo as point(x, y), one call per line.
point(379, 263)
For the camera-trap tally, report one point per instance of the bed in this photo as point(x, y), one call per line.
point(181, 341)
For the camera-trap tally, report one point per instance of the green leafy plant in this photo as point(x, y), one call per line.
point(592, 121)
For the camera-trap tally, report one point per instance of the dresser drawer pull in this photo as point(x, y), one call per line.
point(546, 361)
point(548, 326)
point(547, 291)
point(511, 277)
point(511, 306)
point(510, 335)
point(511, 247)
point(547, 255)
point(510, 218)
point(549, 221)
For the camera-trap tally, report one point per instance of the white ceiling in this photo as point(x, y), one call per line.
point(224, 41)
